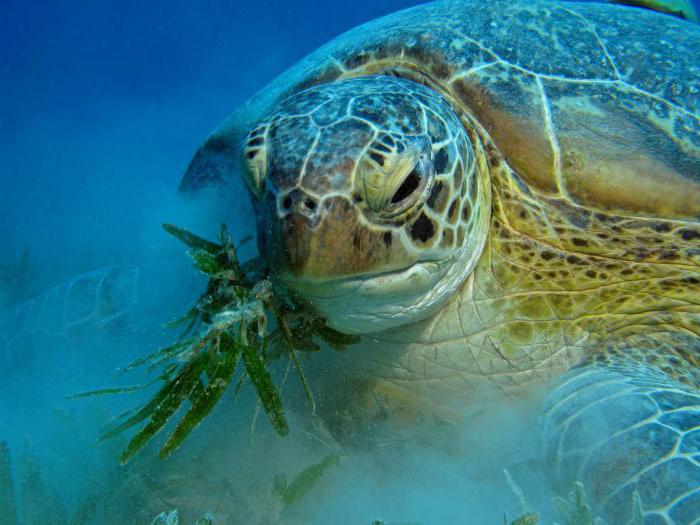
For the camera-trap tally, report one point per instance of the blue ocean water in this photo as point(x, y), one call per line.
point(102, 105)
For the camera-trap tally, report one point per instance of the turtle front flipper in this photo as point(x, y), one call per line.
point(624, 427)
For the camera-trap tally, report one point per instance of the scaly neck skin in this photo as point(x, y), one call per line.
point(556, 283)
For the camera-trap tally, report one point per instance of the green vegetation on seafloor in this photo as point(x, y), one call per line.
point(285, 494)
point(573, 509)
point(239, 322)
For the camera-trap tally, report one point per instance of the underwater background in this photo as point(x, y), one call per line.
point(102, 105)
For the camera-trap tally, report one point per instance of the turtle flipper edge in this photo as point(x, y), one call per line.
point(623, 428)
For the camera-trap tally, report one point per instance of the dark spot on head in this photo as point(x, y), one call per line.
point(466, 211)
point(435, 194)
point(440, 161)
point(573, 259)
point(579, 242)
point(388, 140)
point(590, 274)
point(452, 212)
point(666, 255)
point(459, 175)
point(423, 229)
point(380, 146)
point(377, 157)
point(661, 227)
point(494, 161)
point(448, 237)
point(547, 255)
point(255, 142)
point(357, 198)
point(627, 271)
point(522, 213)
point(408, 186)
point(640, 253)
point(387, 238)
point(602, 235)
point(690, 280)
point(689, 235)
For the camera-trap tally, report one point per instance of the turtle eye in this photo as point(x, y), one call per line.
point(255, 154)
point(408, 186)
point(394, 179)
point(417, 179)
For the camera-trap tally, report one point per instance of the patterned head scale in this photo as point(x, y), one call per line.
point(364, 179)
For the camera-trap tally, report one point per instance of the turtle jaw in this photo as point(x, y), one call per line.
point(361, 278)
point(371, 303)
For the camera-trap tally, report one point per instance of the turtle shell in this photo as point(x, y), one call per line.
point(595, 103)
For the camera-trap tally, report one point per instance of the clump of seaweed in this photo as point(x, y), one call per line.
point(292, 492)
point(239, 319)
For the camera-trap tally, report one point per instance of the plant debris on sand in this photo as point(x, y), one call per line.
point(239, 319)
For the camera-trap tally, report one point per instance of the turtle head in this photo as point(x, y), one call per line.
point(370, 204)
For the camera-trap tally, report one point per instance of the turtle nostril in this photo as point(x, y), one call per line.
point(297, 201)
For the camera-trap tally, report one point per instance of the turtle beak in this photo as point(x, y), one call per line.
point(302, 239)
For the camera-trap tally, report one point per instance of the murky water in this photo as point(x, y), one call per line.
point(102, 108)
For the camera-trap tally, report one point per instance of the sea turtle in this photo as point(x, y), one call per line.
point(500, 193)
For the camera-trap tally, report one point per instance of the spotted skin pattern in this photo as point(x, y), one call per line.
point(583, 121)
